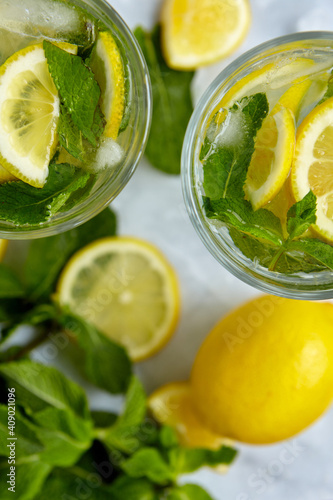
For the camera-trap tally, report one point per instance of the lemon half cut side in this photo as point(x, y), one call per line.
point(127, 289)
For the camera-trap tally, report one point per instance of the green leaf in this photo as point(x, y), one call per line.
point(228, 148)
point(106, 363)
point(47, 256)
point(302, 215)
point(22, 204)
point(149, 463)
point(168, 437)
point(188, 492)
point(126, 488)
point(10, 311)
point(73, 484)
point(172, 104)
point(238, 214)
point(320, 251)
point(26, 442)
point(76, 84)
point(70, 136)
point(38, 387)
point(186, 460)
point(30, 477)
point(65, 435)
point(103, 419)
point(10, 285)
point(123, 434)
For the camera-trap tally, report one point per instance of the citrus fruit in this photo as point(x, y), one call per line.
point(126, 288)
point(5, 176)
point(3, 248)
point(106, 63)
point(171, 405)
point(274, 147)
point(198, 32)
point(312, 166)
point(265, 372)
point(29, 114)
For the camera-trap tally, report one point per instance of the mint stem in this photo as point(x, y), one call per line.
point(276, 258)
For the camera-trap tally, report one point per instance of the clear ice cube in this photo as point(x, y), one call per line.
point(51, 19)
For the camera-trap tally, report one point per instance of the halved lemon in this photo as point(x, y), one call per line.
point(107, 65)
point(29, 113)
point(171, 405)
point(3, 248)
point(126, 288)
point(199, 32)
point(313, 165)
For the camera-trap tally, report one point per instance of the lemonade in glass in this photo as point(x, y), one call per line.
point(257, 166)
point(75, 110)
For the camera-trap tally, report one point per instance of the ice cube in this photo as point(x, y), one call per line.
point(108, 155)
point(51, 19)
point(12, 42)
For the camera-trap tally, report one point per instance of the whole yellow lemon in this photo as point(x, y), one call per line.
point(265, 372)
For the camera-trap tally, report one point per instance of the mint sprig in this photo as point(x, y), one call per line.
point(226, 154)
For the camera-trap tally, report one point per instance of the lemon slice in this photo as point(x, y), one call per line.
point(29, 114)
point(313, 165)
point(198, 32)
point(3, 248)
point(126, 288)
point(171, 405)
point(106, 63)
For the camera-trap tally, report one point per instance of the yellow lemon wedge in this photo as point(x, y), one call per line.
point(3, 248)
point(29, 114)
point(107, 65)
point(127, 289)
point(313, 165)
point(171, 405)
point(5, 176)
point(199, 32)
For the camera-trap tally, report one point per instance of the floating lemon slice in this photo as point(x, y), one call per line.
point(313, 165)
point(171, 405)
point(126, 288)
point(3, 248)
point(198, 32)
point(29, 113)
point(274, 147)
point(106, 63)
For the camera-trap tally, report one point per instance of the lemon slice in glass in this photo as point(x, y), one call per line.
point(313, 165)
point(171, 405)
point(106, 63)
point(29, 114)
point(198, 32)
point(126, 288)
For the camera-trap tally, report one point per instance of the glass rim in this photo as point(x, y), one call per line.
point(289, 286)
point(102, 199)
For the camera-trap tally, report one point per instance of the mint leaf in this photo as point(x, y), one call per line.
point(103, 419)
point(186, 460)
point(27, 442)
point(30, 477)
point(106, 363)
point(149, 463)
point(10, 285)
point(77, 87)
point(228, 148)
point(123, 433)
point(172, 104)
point(302, 215)
point(22, 204)
point(132, 489)
point(168, 437)
point(70, 136)
point(188, 492)
point(238, 213)
point(320, 251)
point(47, 256)
point(38, 387)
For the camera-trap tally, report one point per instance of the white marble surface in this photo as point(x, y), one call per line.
point(151, 207)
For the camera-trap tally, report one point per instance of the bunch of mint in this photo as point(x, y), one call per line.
point(258, 234)
point(64, 450)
